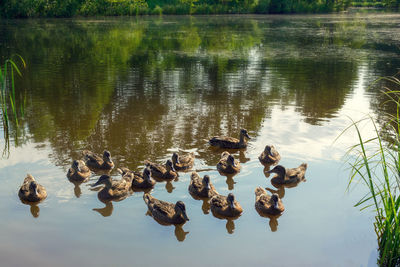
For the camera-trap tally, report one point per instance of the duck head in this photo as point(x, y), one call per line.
point(231, 161)
point(107, 156)
point(175, 158)
point(269, 150)
point(181, 210)
point(146, 174)
point(279, 169)
point(104, 179)
point(231, 200)
point(75, 166)
point(259, 191)
point(206, 182)
point(244, 133)
point(275, 200)
point(33, 186)
point(169, 165)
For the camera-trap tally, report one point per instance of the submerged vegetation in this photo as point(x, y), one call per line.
point(69, 8)
point(377, 163)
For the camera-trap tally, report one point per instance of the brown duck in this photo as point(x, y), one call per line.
point(78, 172)
point(183, 162)
point(165, 212)
point(227, 164)
point(201, 187)
point(225, 206)
point(288, 176)
point(162, 172)
point(97, 162)
point(266, 204)
point(31, 191)
point(270, 155)
point(230, 142)
point(113, 189)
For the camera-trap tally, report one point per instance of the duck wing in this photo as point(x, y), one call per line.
point(219, 201)
point(90, 156)
point(196, 181)
point(28, 179)
point(187, 159)
point(224, 140)
point(157, 169)
point(296, 172)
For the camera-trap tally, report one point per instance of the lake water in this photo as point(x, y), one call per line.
point(144, 88)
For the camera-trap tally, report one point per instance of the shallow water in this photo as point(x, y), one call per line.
point(147, 87)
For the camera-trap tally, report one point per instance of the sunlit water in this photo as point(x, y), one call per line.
point(145, 88)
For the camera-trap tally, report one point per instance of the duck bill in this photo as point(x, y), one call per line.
point(184, 215)
point(233, 163)
point(276, 205)
point(36, 192)
point(78, 169)
point(172, 167)
point(247, 136)
point(208, 187)
point(96, 184)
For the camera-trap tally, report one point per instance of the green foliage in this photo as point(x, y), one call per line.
point(69, 8)
point(378, 165)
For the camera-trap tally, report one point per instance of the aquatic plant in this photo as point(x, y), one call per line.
point(8, 94)
point(377, 163)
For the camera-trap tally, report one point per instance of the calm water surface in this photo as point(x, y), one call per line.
point(145, 88)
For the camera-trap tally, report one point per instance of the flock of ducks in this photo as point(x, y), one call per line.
point(199, 188)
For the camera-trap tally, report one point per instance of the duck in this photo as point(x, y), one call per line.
point(270, 155)
point(78, 172)
point(166, 212)
point(127, 174)
point(183, 162)
point(162, 172)
point(113, 189)
point(225, 206)
point(143, 180)
point(97, 162)
point(230, 142)
point(228, 164)
point(31, 191)
point(201, 187)
point(288, 176)
point(268, 204)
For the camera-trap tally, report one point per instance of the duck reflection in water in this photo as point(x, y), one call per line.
point(35, 210)
point(180, 234)
point(77, 188)
point(107, 210)
point(273, 220)
point(242, 156)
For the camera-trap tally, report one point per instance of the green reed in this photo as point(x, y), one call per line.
point(377, 163)
point(8, 103)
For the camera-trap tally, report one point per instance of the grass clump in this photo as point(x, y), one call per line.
point(377, 163)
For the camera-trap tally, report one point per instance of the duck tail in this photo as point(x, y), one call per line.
point(304, 165)
point(29, 178)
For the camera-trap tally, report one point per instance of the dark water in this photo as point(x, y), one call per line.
point(145, 88)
